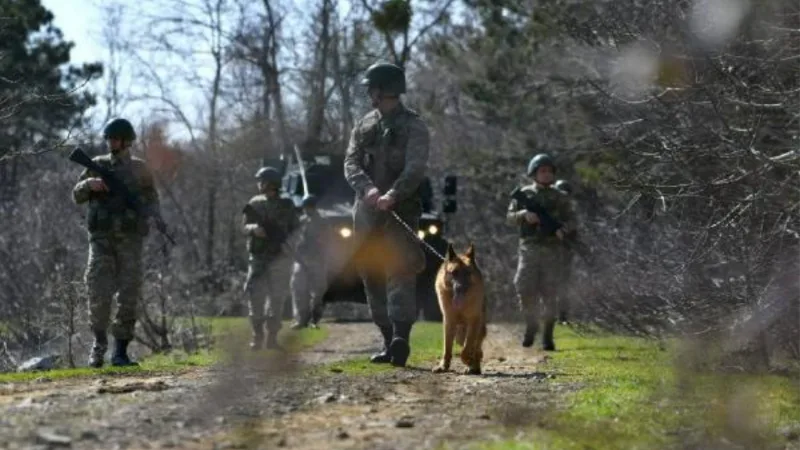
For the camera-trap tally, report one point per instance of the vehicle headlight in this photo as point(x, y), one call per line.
point(433, 229)
point(345, 232)
point(421, 234)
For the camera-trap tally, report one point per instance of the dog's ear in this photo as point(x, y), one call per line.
point(450, 255)
point(470, 254)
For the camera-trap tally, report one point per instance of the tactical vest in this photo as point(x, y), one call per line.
point(311, 235)
point(548, 200)
point(279, 211)
point(108, 212)
point(384, 143)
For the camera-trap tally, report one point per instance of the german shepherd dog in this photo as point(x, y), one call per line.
point(459, 286)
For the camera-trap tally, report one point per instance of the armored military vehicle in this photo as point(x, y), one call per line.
point(325, 177)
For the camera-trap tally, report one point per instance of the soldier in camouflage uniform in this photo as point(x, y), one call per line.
point(116, 238)
point(568, 297)
point(539, 275)
point(270, 267)
point(385, 163)
point(309, 276)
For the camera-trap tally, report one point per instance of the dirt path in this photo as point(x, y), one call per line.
point(411, 408)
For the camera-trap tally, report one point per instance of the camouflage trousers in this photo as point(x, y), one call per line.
point(308, 285)
point(539, 281)
point(267, 289)
point(388, 263)
point(114, 268)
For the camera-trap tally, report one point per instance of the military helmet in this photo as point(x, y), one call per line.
point(268, 174)
point(309, 200)
point(563, 186)
point(121, 129)
point(542, 159)
point(389, 78)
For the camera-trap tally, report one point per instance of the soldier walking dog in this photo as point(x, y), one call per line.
point(385, 163)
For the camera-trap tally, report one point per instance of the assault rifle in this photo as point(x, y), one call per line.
point(116, 186)
point(548, 225)
point(273, 231)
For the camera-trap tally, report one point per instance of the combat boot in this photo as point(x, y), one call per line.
point(316, 315)
point(302, 322)
point(384, 357)
point(120, 356)
point(400, 347)
point(258, 334)
point(98, 352)
point(258, 341)
point(530, 334)
point(272, 340)
point(547, 340)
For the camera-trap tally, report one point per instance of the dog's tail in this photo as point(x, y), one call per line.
point(461, 334)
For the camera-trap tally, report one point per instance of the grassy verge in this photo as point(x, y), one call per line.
point(179, 361)
point(426, 348)
point(631, 397)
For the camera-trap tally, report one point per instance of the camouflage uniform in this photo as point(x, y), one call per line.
point(540, 270)
point(116, 236)
point(267, 284)
point(569, 295)
point(389, 152)
point(309, 278)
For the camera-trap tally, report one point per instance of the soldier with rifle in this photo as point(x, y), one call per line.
point(123, 205)
point(545, 219)
point(309, 274)
point(268, 220)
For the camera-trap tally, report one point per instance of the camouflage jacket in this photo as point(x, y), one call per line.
point(278, 210)
point(311, 239)
point(389, 152)
point(108, 212)
point(555, 202)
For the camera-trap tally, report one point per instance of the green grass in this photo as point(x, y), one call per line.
point(236, 328)
point(631, 397)
point(426, 348)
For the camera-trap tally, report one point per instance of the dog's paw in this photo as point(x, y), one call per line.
point(441, 368)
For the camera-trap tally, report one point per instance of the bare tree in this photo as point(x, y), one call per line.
point(320, 71)
point(258, 42)
point(393, 19)
point(203, 24)
point(113, 39)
